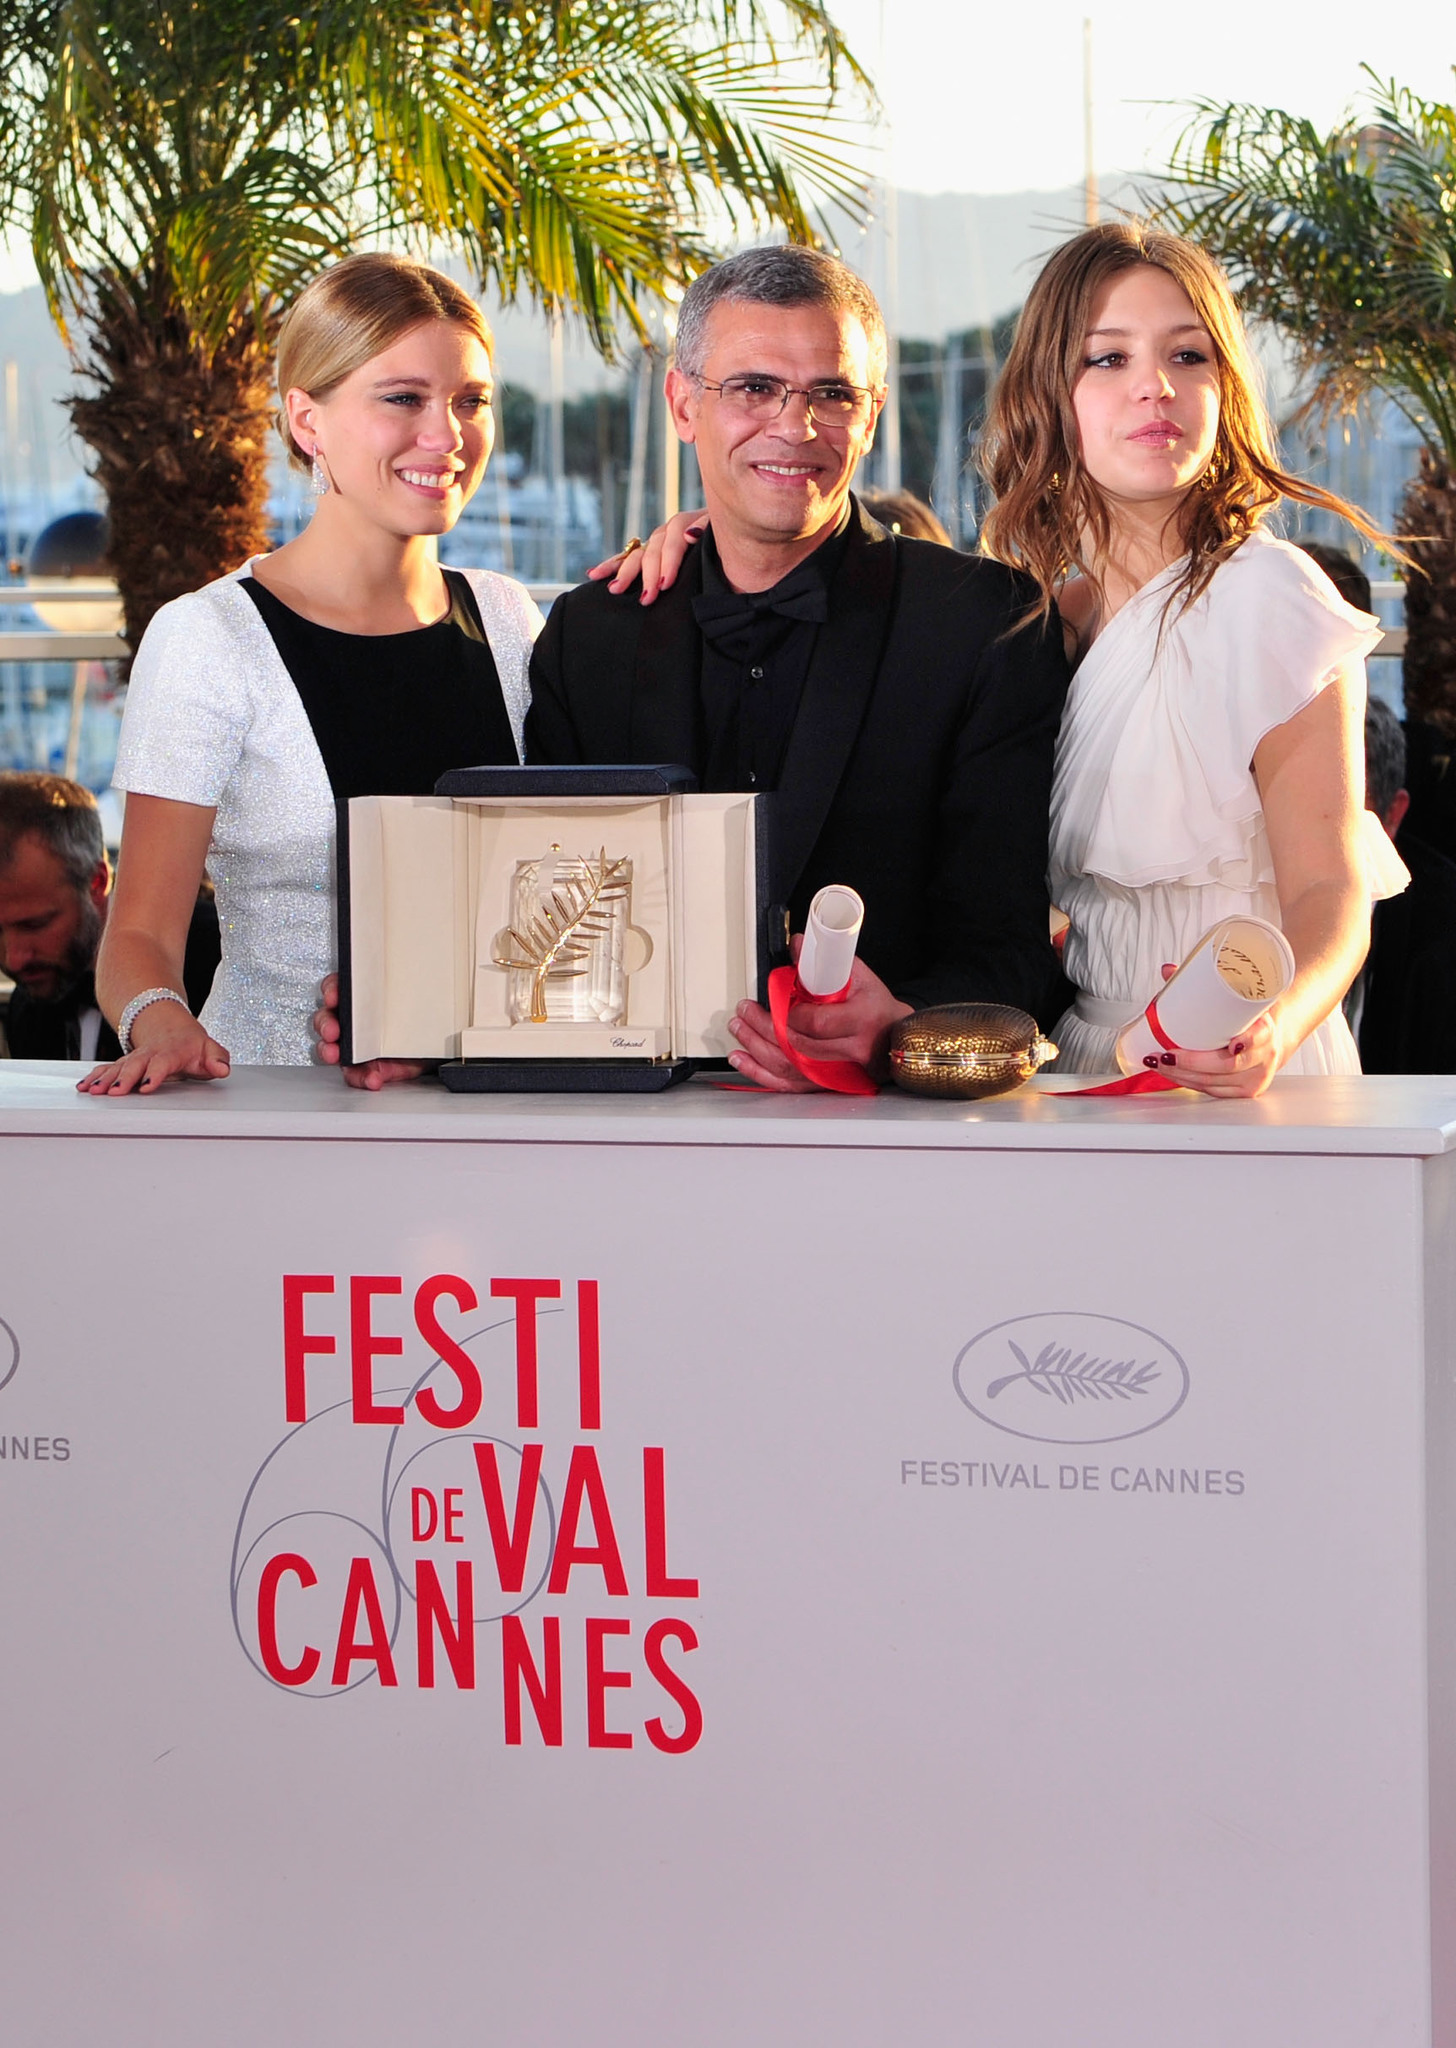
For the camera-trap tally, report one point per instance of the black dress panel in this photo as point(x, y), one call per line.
point(391, 712)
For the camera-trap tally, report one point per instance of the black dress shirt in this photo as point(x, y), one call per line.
point(757, 647)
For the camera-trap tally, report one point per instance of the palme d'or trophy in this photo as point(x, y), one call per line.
point(552, 929)
point(566, 949)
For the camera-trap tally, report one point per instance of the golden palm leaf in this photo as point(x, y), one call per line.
point(556, 941)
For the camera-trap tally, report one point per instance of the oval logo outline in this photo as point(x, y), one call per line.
point(1063, 1373)
point(8, 1372)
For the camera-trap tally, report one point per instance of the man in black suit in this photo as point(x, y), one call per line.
point(1405, 999)
point(54, 879)
point(878, 685)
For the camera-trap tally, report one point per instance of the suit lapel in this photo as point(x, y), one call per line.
point(847, 654)
point(666, 714)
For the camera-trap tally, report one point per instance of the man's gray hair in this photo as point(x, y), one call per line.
point(785, 274)
point(60, 814)
point(1384, 757)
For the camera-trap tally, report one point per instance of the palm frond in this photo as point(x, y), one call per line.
point(568, 150)
point(1345, 240)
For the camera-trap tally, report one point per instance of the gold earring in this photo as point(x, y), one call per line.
point(1055, 486)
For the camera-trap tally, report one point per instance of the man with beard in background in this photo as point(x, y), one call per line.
point(54, 884)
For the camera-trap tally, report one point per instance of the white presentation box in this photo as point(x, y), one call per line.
point(557, 929)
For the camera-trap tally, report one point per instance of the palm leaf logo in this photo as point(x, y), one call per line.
point(1060, 1374)
point(557, 939)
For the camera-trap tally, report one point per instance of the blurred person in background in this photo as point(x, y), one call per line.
point(902, 512)
point(1428, 787)
point(54, 895)
point(1403, 1007)
point(1343, 571)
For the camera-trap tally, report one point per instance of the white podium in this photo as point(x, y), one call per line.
point(701, 1571)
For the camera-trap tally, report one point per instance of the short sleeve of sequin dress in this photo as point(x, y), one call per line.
point(212, 719)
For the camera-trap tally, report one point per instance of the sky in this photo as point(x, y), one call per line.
point(988, 97)
point(985, 96)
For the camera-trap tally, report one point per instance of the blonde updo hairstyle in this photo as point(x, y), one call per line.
point(353, 311)
point(1049, 518)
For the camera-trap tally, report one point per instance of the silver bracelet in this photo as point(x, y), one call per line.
point(139, 1003)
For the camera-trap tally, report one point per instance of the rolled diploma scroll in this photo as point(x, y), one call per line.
point(830, 938)
point(1235, 972)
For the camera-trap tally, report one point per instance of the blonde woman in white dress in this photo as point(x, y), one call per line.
point(1211, 758)
point(347, 662)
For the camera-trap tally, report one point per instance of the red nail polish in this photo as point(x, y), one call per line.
point(1150, 1059)
point(1170, 1059)
point(1237, 1046)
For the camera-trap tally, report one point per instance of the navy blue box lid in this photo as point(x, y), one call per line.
point(629, 780)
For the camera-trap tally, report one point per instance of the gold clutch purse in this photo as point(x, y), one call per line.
point(967, 1050)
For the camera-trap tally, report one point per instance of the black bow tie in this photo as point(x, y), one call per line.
point(723, 614)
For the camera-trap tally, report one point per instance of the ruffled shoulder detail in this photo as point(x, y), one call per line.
point(1385, 871)
point(1262, 641)
point(1269, 633)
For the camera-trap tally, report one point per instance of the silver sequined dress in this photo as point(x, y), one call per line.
point(212, 717)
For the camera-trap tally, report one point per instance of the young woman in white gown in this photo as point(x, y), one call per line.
point(1211, 756)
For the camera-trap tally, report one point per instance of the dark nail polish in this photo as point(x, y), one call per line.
point(1150, 1059)
point(1237, 1046)
point(1170, 1059)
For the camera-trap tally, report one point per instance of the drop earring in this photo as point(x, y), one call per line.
point(319, 477)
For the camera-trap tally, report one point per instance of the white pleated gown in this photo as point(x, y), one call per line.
point(1156, 826)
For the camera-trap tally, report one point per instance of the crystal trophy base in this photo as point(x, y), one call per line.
point(568, 954)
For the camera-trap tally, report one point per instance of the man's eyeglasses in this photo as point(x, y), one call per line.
point(763, 398)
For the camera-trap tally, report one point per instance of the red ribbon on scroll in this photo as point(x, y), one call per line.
point(842, 1077)
point(1149, 1081)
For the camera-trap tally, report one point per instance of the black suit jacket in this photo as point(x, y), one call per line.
point(1408, 1018)
point(919, 769)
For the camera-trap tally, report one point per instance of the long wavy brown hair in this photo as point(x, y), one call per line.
point(1049, 517)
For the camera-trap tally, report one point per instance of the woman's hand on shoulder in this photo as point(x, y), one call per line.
point(370, 1074)
point(167, 1043)
point(657, 560)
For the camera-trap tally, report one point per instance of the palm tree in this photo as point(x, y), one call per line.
point(181, 166)
point(1346, 242)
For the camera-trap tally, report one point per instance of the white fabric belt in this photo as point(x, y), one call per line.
point(1110, 1015)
